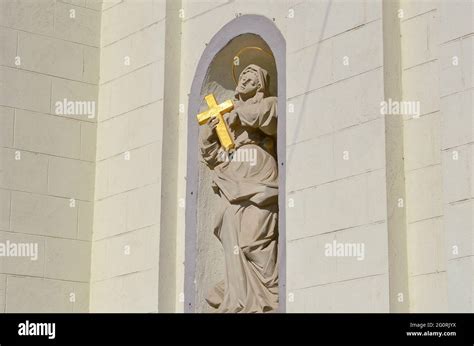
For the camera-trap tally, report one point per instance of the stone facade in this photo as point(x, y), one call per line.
point(105, 197)
point(47, 163)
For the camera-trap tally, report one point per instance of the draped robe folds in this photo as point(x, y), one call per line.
point(247, 223)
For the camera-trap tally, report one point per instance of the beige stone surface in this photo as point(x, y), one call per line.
point(109, 3)
point(416, 8)
point(5, 200)
point(128, 17)
point(452, 29)
point(422, 153)
point(91, 68)
point(199, 7)
point(323, 267)
point(81, 297)
point(121, 174)
point(457, 119)
point(83, 28)
point(373, 238)
point(98, 263)
point(303, 172)
point(23, 265)
point(312, 68)
point(47, 134)
point(81, 3)
point(425, 289)
point(335, 59)
point(336, 108)
point(50, 56)
point(422, 84)
point(460, 284)
point(423, 187)
point(132, 252)
point(88, 141)
point(193, 45)
point(32, 16)
point(6, 126)
point(143, 206)
point(71, 178)
point(132, 52)
point(131, 91)
point(43, 215)
point(25, 294)
point(110, 216)
point(134, 292)
point(67, 259)
point(112, 136)
point(304, 123)
point(359, 295)
point(29, 173)
point(426, 246)
point(363, 56)
point(126, 211)
point(458, 178)
point(8, 40)
point(73, 91)
point(307, 27)
point(420, 36)
point(458, 223)
point(318, 210)
point(3, 285)
point(353, 150)
point(129, 131)
point(43, 156)
point(85, 220)
point(456, 65)
point(456, 80)
point(25, 90)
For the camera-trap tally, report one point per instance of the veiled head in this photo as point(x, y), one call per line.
point(252, 80)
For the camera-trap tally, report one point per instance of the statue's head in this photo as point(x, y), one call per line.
point(253, 79)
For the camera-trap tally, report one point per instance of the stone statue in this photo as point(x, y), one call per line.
point(246, 180)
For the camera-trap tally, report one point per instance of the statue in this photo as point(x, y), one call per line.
point(245, 176)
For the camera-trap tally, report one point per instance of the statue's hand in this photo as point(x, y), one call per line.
point(212, 123)
point(210, 128)
point(232, 118)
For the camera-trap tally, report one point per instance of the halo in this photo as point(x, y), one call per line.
point(253, 55)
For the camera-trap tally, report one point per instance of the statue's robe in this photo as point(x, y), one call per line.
point(247, 224)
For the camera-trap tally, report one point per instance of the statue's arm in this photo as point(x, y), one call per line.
point(262, 115)
point(209, 144)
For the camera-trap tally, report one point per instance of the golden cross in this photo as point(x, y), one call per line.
point(218, 110)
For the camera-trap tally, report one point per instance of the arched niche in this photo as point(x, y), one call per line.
point(203, 257)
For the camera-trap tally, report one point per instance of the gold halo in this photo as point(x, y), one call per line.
point(234, 66)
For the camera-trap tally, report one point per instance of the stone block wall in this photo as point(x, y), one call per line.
point(456, 71)
point(125, 251)
point(50, 52)
point(437, 72)
point(425, 237)
point(336, 158)
point(104, 197)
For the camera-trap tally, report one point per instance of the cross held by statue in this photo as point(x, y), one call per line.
point(218, 110)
